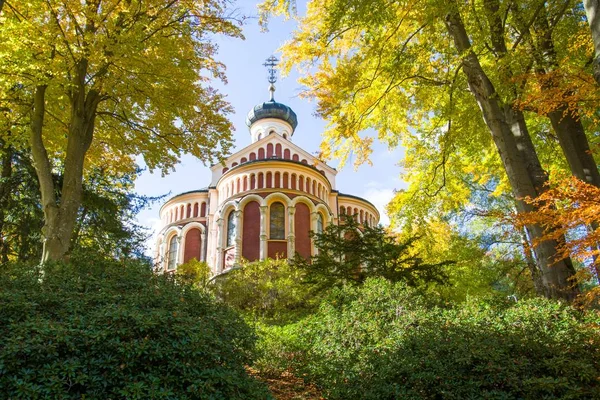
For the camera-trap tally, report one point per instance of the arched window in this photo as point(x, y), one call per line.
point(231, 228)
point(277, 221)
point(173, 248)
point(319, 223)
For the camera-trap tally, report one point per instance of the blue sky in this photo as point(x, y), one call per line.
point(247, 86)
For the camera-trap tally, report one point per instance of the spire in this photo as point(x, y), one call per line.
point(271, 116)
point(271, 63)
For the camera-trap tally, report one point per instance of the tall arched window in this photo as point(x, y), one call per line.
point(173, 248)
point(231, 229)
point(319, 223)
point(277, 221)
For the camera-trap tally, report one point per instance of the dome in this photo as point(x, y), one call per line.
point(272, 109)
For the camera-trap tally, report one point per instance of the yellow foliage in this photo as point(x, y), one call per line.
point(194, 271)
point(150, 61)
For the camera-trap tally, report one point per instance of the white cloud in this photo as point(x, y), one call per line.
point(380, 197)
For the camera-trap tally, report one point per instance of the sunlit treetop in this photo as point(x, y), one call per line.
point(148, 64)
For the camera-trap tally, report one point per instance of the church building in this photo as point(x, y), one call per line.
point(262, 201)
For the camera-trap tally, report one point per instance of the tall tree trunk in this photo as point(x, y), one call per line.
point(566, 123)
point(43, 169)
point(592, 9)
point(60, 216)
point(518, 155)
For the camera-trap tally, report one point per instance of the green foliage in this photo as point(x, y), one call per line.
point(278, 348)
point(271, 290)
point(104, 330)
point(106, 221)
point(21, 216)
point(194, 272)
point(350, 252)
point(384, 341)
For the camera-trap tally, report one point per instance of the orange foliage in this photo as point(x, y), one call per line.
point(569, 205)
point(565, 206)
point(545, 92)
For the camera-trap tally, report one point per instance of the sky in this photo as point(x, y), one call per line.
point(247, 86)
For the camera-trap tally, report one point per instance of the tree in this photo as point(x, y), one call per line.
point(21, 217)
point(552, 79)
point(592, 9)
point(103, 81)
point(423, 67)
point(510, 134)
point(351, 253)
point(567, 208)
point(105, 222)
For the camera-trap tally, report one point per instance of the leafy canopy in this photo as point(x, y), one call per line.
point(149, 65)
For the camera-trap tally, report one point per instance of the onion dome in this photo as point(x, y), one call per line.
point(272, 109)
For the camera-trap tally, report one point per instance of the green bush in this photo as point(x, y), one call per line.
point(271, 291)
point(108, 330)
point(383, 341)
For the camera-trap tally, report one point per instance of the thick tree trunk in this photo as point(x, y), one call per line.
point(519, 158)
point(592, 9)
point(60, 216)
point(566, 123)
point(575, 146)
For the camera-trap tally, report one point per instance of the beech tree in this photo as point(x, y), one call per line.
point(414, 70)
point(567, 208)
point(592, 9)
point(100, 82)
point(512, 139)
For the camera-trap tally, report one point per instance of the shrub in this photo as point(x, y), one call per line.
point(194, 272)
point(272, 291)
point(108, 330)
point(382, 341)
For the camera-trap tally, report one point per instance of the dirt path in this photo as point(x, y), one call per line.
point(288, 387)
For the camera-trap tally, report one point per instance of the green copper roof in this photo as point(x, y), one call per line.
point(272, 109)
